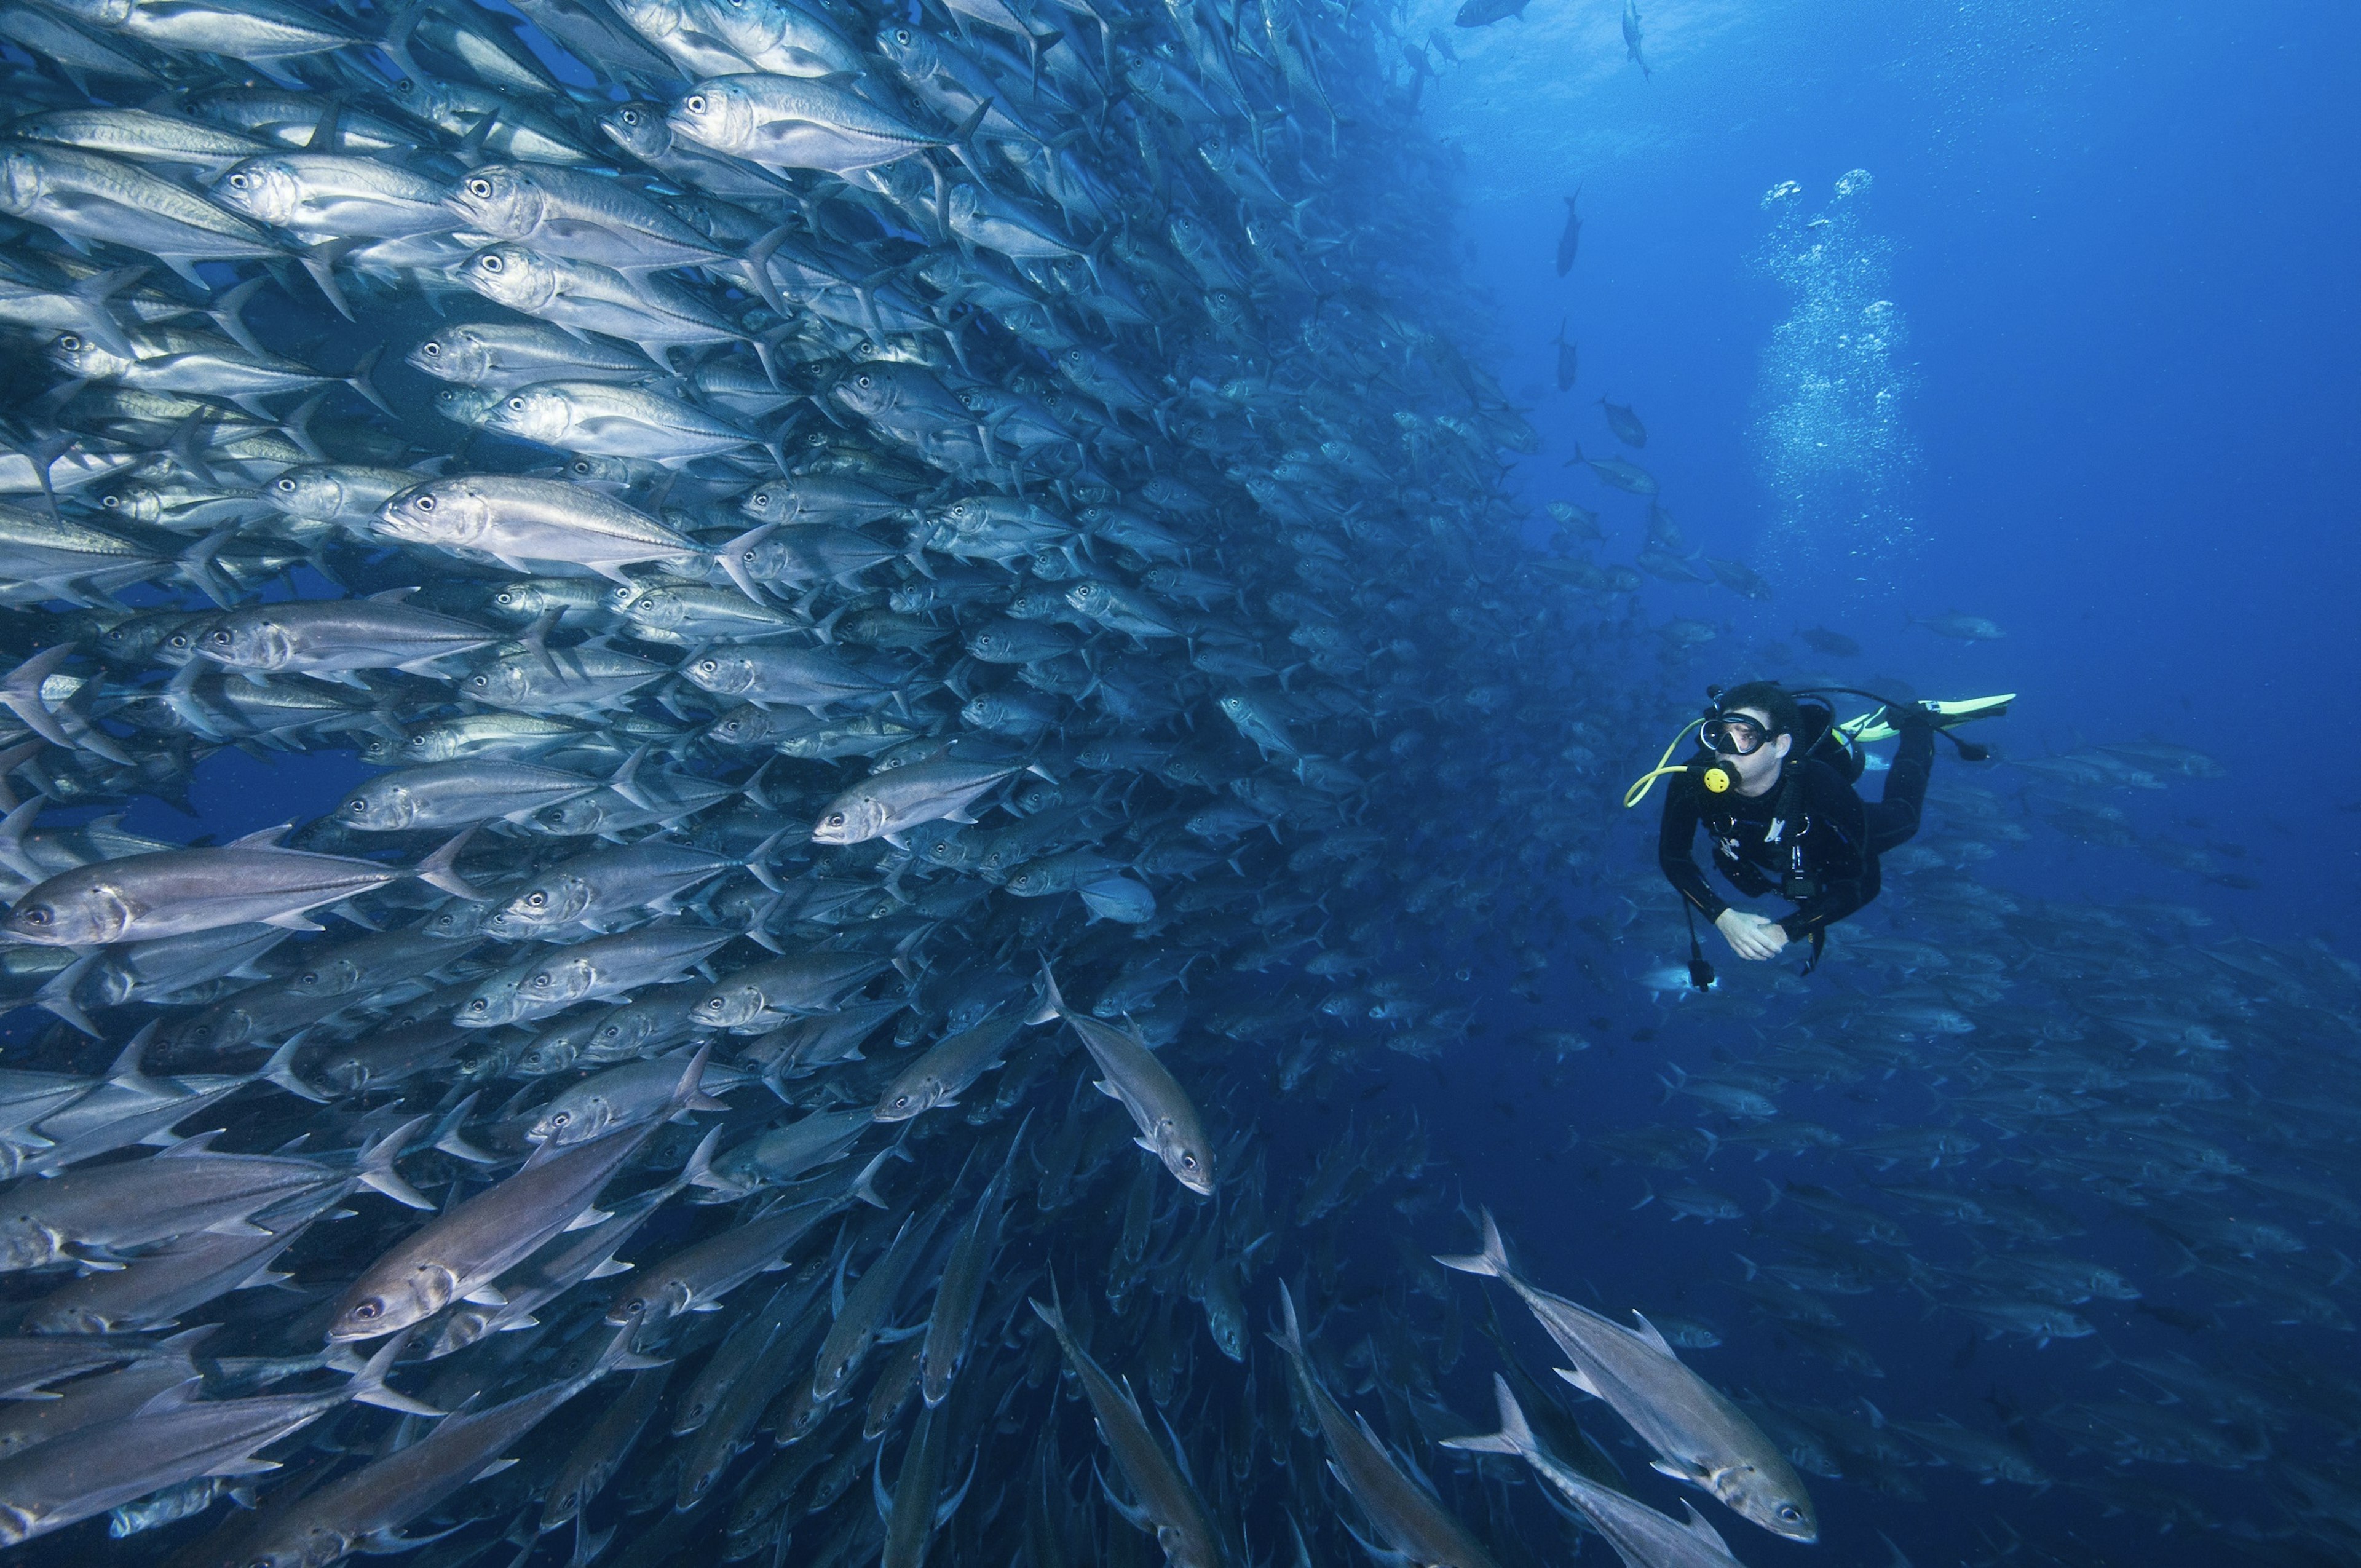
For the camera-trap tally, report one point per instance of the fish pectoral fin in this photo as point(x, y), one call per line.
point(1690, 1474)
point(292, 923)
point(487, 1296)
point(1581, 1380)
point(588, 1218)
point(608, 1269)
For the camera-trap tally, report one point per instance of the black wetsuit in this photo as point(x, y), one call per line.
point(1827, 860)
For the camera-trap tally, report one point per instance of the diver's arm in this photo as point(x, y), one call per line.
point(1672, 856)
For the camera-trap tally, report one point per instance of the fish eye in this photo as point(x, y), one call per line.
point(36, 915)
point(635, 1306)
point(478, 1005)
point(480, 187)
point(285, 487)
point(709, 665)
point(110, 501)
point(559, 1118)
point(488, 263)
point(430, 348)
point(901, 35)
point(1189, 1161)
point(70, 343)
point(693, 102)
point(628, 116)
point(517, 403)
point(836, 819)
point(425, 503)
point(368, 1310)
point(237, 181)
point(762, 497)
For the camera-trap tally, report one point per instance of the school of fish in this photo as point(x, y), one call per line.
point(923, 633)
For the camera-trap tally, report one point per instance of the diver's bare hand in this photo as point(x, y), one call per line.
point(1749, 935)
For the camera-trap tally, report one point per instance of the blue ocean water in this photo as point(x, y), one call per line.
point(2037, 314)
point(2073, 350)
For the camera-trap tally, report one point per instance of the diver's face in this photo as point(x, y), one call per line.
point(1758, 767)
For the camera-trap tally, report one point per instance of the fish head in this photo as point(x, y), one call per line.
point(506, 684)
point(730, 1006)
point(20, 183)
point(457, 354)
point(640, 129)
point(267, 190)
point(532, 413)
point(745, 726)
point(552, 900)
point(134, 502)
point(78, 356)
point(855, 820)
point(910, 1099)
point(27, 1243)
point(543, 1058)
point(78, 910)
point(870, 391)
point(642, 1305)
point(470, 406)
point(489, 1005)
point(382, 806)
point(911, 51)
point(569, 1121)
point(1776, 1503)
point(571, 818)
point(497, 199)
point(447, 512)
point(1191, 1166)
point(512, 275)
point(718, 115)
point(250, 641)
point(722, 674)
point(313, 492)
point(553, 985)
point(381, 1306)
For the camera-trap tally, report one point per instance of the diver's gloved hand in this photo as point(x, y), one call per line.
point(1909, 717)
point(1750, 935)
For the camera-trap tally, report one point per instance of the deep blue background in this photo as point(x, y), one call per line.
point(2123, 239)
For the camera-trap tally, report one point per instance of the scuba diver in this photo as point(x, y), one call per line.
point(1773, 784)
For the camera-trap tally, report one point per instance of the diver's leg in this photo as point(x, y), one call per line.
point(1894, 820)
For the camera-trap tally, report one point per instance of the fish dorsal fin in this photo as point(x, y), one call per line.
point(1581, 1380)
point(267, 838)
point(1697, 1526)
point(1648, 1332)
point(191, 1146)
point(181, 1393)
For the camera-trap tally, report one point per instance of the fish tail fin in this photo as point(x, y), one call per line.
point(1290, 1337)
point(1515, 1435)
point(280, 1071)
point(369, 1384)
point(1053, 1005)
point(440, 869)
point(374, 1169)
point(1493, 1260)
point(20, 694)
